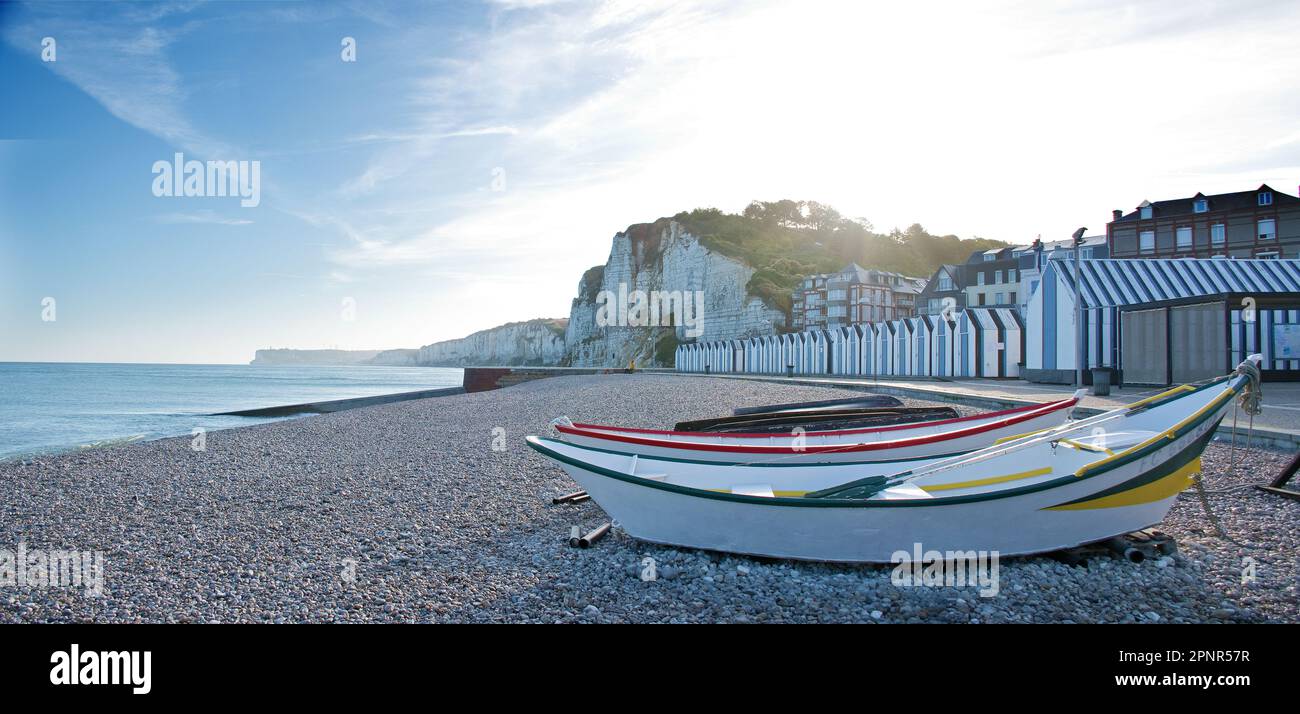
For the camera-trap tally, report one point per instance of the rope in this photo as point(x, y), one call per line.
point(1249, 400)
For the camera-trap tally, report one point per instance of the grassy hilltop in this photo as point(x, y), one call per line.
point(787, 240)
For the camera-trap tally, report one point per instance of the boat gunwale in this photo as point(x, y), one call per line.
point(1106, 465)
point(1060, 403)
point(764, 464)
point(1040, 410)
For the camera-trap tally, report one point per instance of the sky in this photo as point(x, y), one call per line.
point(476, 158)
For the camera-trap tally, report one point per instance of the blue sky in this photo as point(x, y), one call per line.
point(477, 157)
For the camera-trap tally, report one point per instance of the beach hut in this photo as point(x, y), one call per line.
point(900, 364)
point(921, 327)
point(993, 340)
point(859, 338)
point(839, 348)
point(771, 354)
point(884, 348)
point(823, 359)
point(790, 351)
point(964, 339)
point(1165, 321)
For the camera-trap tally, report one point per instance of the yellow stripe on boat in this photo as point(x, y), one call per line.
point(1086, 447)
point(1162, 395)
point(1169, 433)
point(987, 481)
point(1157, 490)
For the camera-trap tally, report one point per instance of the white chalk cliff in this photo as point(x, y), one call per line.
point(661, 256)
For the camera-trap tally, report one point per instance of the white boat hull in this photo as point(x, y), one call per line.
point(1062, 490)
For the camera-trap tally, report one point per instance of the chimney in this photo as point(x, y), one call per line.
point(1116, 214)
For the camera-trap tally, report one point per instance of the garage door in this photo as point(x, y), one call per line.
point(1145, 352)
point(1199, 342)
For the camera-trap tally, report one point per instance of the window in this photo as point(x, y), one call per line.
point(838, 294)
point(1146, 213)
point(1001, 299)
point(1085, 253)
point(988, 258)
point(1013, 298)
point(979, 278)
point(1265, 198)
point(980, 301)
point(935, 305)
point(1216, 234)
point(1267, 255)
point(945, 282)
point(1267, 229)
point(1011, 275)
point(1147, 242)
point(1200, 205)
point(997, 277)
point(1184, 237)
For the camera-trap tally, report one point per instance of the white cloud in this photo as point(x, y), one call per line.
point(122, 63)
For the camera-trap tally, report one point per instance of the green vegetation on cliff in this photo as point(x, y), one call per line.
point(786, 240)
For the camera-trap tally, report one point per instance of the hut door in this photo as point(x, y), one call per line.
point(1145, 354)
point(1198, 340)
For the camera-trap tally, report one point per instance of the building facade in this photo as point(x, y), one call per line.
point(854, 294)
point(1263, 223)
point(993, 278)
point(1034, 258)
point(947, 287)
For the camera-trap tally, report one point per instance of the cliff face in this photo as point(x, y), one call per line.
point(658, 262)
point(385, 358)
point(535, 342)
point(664, 257)
point(396, 358)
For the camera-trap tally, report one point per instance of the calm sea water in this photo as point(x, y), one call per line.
point(47, 407)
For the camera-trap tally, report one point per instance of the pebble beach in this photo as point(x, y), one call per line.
point(435, 510)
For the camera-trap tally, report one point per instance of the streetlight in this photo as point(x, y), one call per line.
point(1078, 309)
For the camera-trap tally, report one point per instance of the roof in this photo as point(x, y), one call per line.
point(996, 253)
point(954, 271)
point(1064, 244)
point(868, 275)
point(1238, 201)
point(1117, 283)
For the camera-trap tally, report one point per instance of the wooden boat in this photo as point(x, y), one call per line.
point(1091, 480)
point(784, 422)
point(944, 437)
point(863, 402)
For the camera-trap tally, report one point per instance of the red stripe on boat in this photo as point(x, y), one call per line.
point(868, 430)
point(1041, 410)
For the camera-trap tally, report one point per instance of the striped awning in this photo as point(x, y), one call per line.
point(1117, 283)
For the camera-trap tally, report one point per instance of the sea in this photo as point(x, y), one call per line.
point(48, 407)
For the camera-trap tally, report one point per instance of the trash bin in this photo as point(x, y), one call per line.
point(789, 370)
point(1101, 381)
